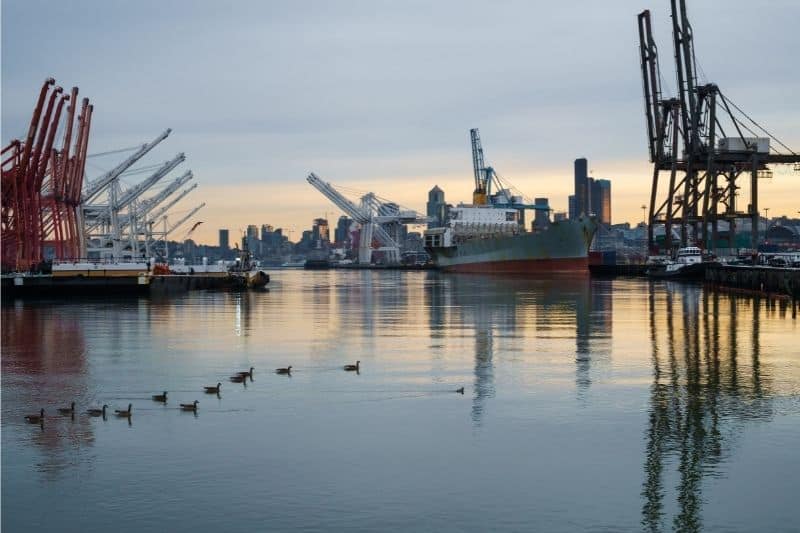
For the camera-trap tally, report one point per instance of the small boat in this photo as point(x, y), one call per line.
point(688, 264)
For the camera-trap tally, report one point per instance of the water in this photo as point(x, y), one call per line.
point(589, 406)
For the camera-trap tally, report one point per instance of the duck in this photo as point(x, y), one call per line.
point(213, 390)
point(238, 378)
point(287, 370)
point(127, 413)
point(36, 419)
point(189, 406)
point(353, 368)
point(160, 397)
point(67, 410)
point(246, 373)
point(460, 391)
point(97, 412)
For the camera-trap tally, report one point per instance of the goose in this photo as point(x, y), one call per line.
point(97, 412)
point(36, 419)
point(213, 390)
point(246, 374)
point(67, 410)
point(460, 391)
point(189, 406)
point(287, 370)
point(239, 379)
point(127, 413)
point(160, 397)
point(353, 368)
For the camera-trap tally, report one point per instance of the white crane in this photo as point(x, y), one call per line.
point(145, 206)
point(96, 186)
point(150, 240)
point(370, 214)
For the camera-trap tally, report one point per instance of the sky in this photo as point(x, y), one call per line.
point(380, 96)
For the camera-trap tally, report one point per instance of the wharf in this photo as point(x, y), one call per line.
point(759, 279)
point(47, 285)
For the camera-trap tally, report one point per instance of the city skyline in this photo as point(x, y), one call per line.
point(381, 98)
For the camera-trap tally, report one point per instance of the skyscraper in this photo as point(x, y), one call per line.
point(320, 230)
point(342, 232)
point(581, 192)
point(437, 209)
point(224, 242)
point(573, 208)
point(601, 200)
point(541, 218)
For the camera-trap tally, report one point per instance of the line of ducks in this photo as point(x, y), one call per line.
point(239, 377)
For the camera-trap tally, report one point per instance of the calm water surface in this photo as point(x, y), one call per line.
point(589, 406)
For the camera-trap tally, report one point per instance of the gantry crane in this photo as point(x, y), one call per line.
point(691, 150)
point(370, 214)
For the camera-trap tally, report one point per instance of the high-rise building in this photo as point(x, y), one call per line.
point(252, 231)
point(541, 218)
point(342, 232)
point(601, 200)
point(320, 230)
point(266, 230)
point(224, 242)
point(573, 208)
point(436, 207)
point(581, 189)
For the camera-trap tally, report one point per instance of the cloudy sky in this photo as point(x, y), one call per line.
point(380, 96)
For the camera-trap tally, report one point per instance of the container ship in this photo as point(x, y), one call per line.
point(490, 235)
point(490, 239)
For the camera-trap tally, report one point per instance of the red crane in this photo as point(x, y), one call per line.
point(41, 185)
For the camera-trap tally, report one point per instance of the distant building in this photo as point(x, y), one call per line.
point(559, 216)
point(341, 235)
point(252, 231)
point(541, 218)
point(592, 196)
point(581, 188)
point(320, 230)
point(437, 208)
point(224, 240)
point(601, 200)
point(266, 230)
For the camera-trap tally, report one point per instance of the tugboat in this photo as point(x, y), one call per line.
point(245, 274)
point(688, 264)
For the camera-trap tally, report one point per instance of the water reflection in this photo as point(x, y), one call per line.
point(44, 354)
point(702, 393)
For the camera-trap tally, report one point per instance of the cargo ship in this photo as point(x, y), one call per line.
point(487, 238)
point(490, 236)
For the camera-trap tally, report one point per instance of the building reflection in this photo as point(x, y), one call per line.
point(707, 382)
point(498, 311)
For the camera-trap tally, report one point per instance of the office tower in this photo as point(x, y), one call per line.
point(581, 192)
point(437, 209)
point(224, 242)
point(541, 218)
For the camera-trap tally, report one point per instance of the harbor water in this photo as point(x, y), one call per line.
point(588, 405)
